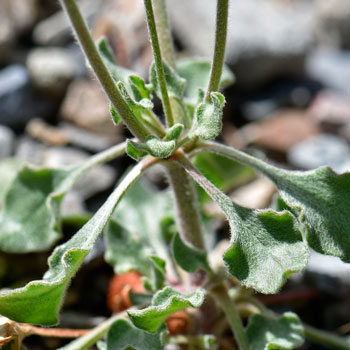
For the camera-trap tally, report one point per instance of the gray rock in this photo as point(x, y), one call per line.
point(331, 68)
point(7, 139)
point(51, 69)
point(265, 38)
point(29, 150)
point(72, 204)
point(321, 150)
point(7, 37)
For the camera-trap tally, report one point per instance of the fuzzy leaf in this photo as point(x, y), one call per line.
point(47, 294)
point(188, 257)
point(266, 246)
point(135, 227)
point(175, 84)
point(164, 303)
point(158, 272)
point(267, 333)
point(123, 335)
point(140, 89)
point(324, 198)
point(136, 150)
point(29, 220)
point(116, 118)
point(196, 71)
point(174, 132)
point(208, 117)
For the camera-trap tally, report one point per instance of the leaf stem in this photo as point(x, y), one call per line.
point(105, 79)
point(188, 217)
point(227, 305)
point(163, 29)
point(158, 62)
point(89, 339)
point(220, 44)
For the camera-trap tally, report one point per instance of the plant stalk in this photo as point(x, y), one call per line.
point(163, 29)
point(105, 79)
point(220, 44)
point(227, 305)
point(158, 62)
point(187, 213)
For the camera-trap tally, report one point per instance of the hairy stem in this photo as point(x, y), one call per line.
point(220, 44)
point(227, 305)
point(163, 29)
point(105, 79)
point(158, 62)
point(188, 216)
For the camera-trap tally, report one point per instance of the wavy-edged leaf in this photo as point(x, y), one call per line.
point(324, 198)
point(208, 117)
point(196, 71)
point(136, 227)
point(268, 333)
point(39, 301)
point(123, 335)
point(164, 303)
point(321, 198)
point(175, 84)
point(116, 118)
point(174, 132)
point(187, 257)
point(266, 246)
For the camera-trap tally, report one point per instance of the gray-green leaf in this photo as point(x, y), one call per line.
point(266, 246)
point(47, 294)
point(268, 333)
point(136, 227)
point(164, 303)
point(123, 335)
point(188, 257)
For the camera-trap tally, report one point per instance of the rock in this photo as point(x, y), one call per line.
point(51, 69)
point(7, 139)
point(97, 179)
point(331, 68)
point(333, 27)
point(56, 29)
point(88, 140)
point(38, 129)
point(321, 150)
point(255, 195)
point(18, 102)
point(86, 106)
point(257, 48)
point(281, 131)
point(29, 150)
point(72, 204)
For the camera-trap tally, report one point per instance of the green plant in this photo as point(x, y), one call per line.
point(266, 245)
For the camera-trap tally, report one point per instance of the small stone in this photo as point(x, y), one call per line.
point(86, 106)
point(281, 131)
point(331, 68)
point(30, 150)
point(88, 140)
point(51, 69)
point(7, 37)
point(72, 204)
point(7, 139)
point(321, 150)
point(40, 130)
